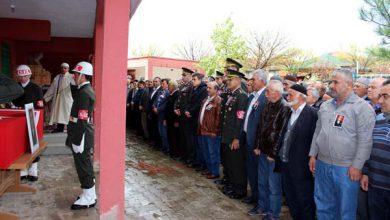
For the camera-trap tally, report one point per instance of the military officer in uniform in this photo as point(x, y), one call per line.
point(185, 89)
point(81, 134)
point(232, 116)
point(235, 65)
point(32, 94)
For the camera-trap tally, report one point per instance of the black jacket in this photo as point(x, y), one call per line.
point(144, 99)
point(301, 137)
point(153, 100)
point(170, 115)
point(32, 94)
point(270, 127)
point(194, 104)
point(82, 109)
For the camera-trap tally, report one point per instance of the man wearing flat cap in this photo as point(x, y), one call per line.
point(294, 146)
point(60, 95)
point(360, 87)
point(233, 152)
point(185, 89)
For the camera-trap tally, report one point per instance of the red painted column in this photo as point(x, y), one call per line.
point(110, 64)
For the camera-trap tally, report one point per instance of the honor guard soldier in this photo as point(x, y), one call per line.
point(233, 152)
point(32, 94)
point(185, 89)
point(81, 134)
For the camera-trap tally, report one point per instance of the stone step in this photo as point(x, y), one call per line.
point(56, 144)
point(55, 137)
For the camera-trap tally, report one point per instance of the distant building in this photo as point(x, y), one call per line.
point(149, 67)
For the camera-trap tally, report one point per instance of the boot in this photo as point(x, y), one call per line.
point(87, 199)
point(23, 174)
point(33, 172)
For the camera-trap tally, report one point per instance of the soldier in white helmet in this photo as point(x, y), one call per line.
point(81, 134)
point(32, 94)
point(61, 96)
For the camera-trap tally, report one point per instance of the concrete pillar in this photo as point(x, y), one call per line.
point(111, 43)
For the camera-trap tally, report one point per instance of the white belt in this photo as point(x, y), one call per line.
point(74, 120)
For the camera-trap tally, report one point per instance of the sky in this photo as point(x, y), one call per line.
point(317, 26)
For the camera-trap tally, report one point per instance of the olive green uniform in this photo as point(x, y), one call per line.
point(80, 125)
point(182, 104)
point(233, 112)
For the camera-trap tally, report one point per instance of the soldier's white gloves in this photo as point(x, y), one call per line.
point(79, 148)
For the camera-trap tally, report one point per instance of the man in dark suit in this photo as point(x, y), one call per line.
point(294, 146)
point(143, 108)
point(198, 94)
point(152, 116)
point(256, 103)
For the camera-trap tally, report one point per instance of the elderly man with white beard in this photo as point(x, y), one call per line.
point(294, 146)
point(60, 95)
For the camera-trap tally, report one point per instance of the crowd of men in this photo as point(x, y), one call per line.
point(325, 145)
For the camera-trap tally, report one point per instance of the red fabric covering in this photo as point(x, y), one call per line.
point(14, 140)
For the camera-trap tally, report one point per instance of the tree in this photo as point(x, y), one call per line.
point(378, 12)
point(265, 49)
point(226, 43)
point(295, 60)
point(152, 50)
point(192, 50)
point(362, 57)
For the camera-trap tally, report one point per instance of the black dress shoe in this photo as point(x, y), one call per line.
point(248, 200)
point(220, 182)
point(32, 178)
point(237, 195)
point(23, 178)
point(227, 190)
point(199, 168)
point(79, 207)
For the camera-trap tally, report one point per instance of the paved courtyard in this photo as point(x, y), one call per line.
point(156, 188)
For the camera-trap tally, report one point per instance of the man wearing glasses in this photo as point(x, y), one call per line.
point(60, 95)
point(375, 178)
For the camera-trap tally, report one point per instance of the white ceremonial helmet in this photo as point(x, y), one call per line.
point(23, 70)
point(83, 68)
point(65, 65)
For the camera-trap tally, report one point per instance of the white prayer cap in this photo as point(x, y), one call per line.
point(65, 65)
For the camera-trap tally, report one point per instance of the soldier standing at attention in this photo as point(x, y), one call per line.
point(225, 92)
point(185, 89)
point(233, 112)
point(81, 134)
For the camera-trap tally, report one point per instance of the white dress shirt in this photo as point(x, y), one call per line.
point(250, 107)
point(295, 113)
